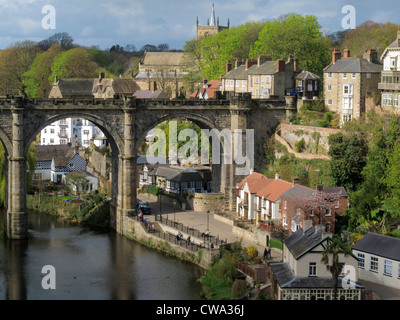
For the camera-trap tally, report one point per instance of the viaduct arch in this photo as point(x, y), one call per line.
point(125, 123)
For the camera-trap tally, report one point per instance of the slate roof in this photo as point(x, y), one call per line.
point(46, 153)
point(354, 65)
point(380, 245)
point(342, 190)
point(288, 280)
point(163, 58)
point(75, 87)
point(268, 67)
point(148, 94)
point(186, 177)
point(307, 75)
point(298, 192)
point(239, 73)
point(120, 86)
point(300, 242)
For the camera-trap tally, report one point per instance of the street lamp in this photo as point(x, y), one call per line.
point(208, 220)
point(159, 193)
point(174, 203)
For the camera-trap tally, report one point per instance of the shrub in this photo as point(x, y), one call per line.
point(300, 145)
point(252, 252)
point(239, 289)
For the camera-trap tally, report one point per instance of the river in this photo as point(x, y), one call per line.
point(89, 264)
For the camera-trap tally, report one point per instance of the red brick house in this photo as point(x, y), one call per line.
point(323, 206)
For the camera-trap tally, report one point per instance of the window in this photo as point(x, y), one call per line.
point(384, 99)
point(330, 102)
point(312, 270)
point(51, 140)
point(328, 212)
point(63, 132)
point(226, 83)
point(285, 204)
point(268, 79)
point(373, 264)
point(311, 212)
point(344, 75)
point(329, 87)
point(251, 81)
point(361, 260)
point(396, 100)
point(387, 268)
point(368, 76)
point(285, 221)
point(347, 103)
point(86, 132)
point(52, 131)
point(86, 142)
point(389, 99)
point(337, 204)
point(63, 122)
point(346, 117)
point(256, 80)
point(256, 93)
point(353, 75)
point(348, 89)
point(63, 141)
point(237, 83)
point(243, 83)
point(232, 83)
point(329, 74)
point(45, 130)
point(44, 140)
point(37, 176)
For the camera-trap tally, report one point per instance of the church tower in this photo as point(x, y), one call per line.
point(212, 26)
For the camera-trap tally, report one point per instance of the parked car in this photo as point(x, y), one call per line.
point(144, 206)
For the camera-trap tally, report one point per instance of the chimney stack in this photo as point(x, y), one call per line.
point(281, 65)
point(56, 79)
point(346, 53)
point(250, 63)
point(371, 55)
point(296, 65)
point(228, 67)
point(238, 63)
point(262, 58)
point(101, 76)
point(296, 179)
point(336, 55)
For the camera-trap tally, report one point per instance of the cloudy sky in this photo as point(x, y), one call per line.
point(107, 22)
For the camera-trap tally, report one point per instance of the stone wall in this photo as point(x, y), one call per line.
point(289, 134)
point(201, 202)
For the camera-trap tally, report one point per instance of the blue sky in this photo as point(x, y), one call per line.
point(139, 22)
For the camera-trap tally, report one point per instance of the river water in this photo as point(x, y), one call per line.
point(89, 265)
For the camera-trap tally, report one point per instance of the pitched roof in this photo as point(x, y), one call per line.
point(239, 73)
point(287, 279)
point(300, 242)
point(298, 191)
point(120, 86)
point(163, 58)
point(46, 153)
point(307, 75)
point(148, 94)
point(273, 190)
point(75, 87)
point(354, 65)
point(342, 190)
point(256, 181)
point(379, 245)
point(185, 177)
point(211, 88)
point(268, 67)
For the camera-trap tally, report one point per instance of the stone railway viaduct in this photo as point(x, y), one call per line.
point(125, 123)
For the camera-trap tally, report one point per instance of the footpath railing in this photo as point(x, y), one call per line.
point(209, 240)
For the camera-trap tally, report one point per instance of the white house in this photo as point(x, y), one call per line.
point(379, 259)
point(390, 76)
point(53, 162)
point(91, 185)
point(70, 131)
point(302, 276)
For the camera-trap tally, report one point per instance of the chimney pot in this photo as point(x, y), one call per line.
point(228, 66)
point(281, 65)
point(336, 55)
point(346, 53)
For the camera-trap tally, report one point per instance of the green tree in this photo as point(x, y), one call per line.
point(36, 78)
point(74, 63)
point(78, 181)
point(295, 34)
point(348, 154)
point(331, 257)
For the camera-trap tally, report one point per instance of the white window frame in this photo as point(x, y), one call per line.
point(329, 87)
point(384, 99)
point(227, 83)
point(387, 267)
point(353, 75)
point(243, 83)
point(349, 88)
point(312, 269)
point(268, 79)
point(396, 100)
point(374, 264)
point(361, 260)
point(328, 212)
point(389, 99)
point(232, 83)
point(344, 75)
point(255, 80)
point(369, 75)
point(237, 83)
point(330, 102)
point(329, 74)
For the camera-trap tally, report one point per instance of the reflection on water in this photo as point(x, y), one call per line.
point(89, 264)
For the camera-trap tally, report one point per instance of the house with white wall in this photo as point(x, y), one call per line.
point(302, 276)
point(379, 259)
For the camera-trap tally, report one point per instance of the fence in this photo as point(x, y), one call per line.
point(209, 239)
